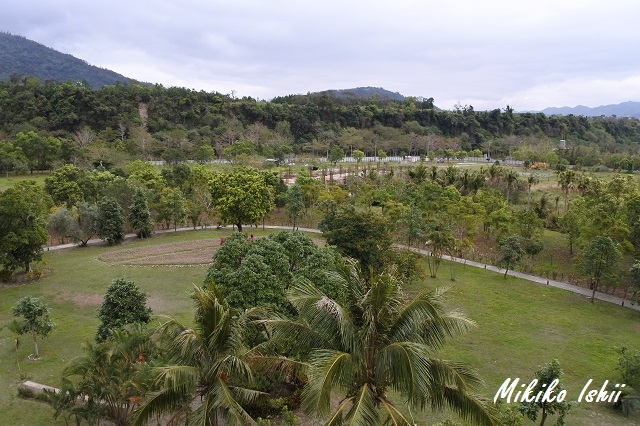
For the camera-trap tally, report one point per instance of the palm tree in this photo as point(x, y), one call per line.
point(531, 180)
point(204, 359)
point(380, 340)
point(511, 177)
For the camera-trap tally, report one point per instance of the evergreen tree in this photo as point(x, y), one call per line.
point(140, 216)
point(110, 221)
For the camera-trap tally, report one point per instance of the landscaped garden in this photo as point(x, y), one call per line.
point(521, 325)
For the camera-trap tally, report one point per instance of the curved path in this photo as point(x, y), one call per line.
point(533, 278)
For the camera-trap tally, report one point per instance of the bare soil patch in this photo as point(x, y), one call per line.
point(180, 253)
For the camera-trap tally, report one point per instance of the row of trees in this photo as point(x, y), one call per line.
point(70, 122)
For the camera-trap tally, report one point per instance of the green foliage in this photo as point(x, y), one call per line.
point(123, 304)
point(172, 207)
point(362, 235)
point(203, 359)
point(294, 203)
point(629, 368)
point(241, 196)
point(257, 273)
point(545, 376)
point(378, 340)
point(599, 261)
point(23, 212)
point(109, 380)
point(140, 216)
point(35, 319)
point(110, 221)
point(336, 154)
point(511, 252)
point(62, 224)
point(88, 221)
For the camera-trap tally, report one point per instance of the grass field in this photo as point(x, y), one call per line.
point(520, 325)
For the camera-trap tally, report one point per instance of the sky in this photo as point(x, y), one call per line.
point(488, 54)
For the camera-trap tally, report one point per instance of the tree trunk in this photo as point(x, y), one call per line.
point(505, 272)
point(239, 225)
point(35, 344)
point(543, 418)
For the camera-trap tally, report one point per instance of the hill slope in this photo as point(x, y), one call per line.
point(23, 57)
point(365, 92)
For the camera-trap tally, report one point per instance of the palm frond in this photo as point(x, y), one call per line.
point(363, 411)
point(330, 369)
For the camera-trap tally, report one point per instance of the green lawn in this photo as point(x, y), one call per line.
point(8, 182)
point(520, 325)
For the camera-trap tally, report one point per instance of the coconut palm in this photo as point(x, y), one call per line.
point(380, 341)
point(204, 360)
point(511, 177)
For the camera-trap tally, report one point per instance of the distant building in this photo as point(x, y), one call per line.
point(563, 144)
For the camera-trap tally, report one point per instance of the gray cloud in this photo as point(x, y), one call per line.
point(487, 54)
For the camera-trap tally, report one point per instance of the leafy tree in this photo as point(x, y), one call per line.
point(40, 151)
point(629, 368)
point(379, 340)
point(258, 273)
point(172, 207)
point(294, 203)
point(63, 224)
point(241, 196)
point(357, 155)
point(11, 158)
point(88, 220)
point(362, 235)
point(439, 239)
point(140, 216)
point(123, 304)
point(336, 154)
point(65, 185)
point(545, 377)
point(511, 252)
point(206, 361)
point(599, 261)
point(36, 319)
point(110, 221)
point(23, 213)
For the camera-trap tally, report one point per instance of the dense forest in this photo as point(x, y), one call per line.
point(54, 123)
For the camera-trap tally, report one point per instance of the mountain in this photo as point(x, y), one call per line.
point(365, 92)
point(23, 57)
point(625, 109)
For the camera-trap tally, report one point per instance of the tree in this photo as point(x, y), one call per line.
point(439, 239)
point(63, 224)
point(65, 185)
point(23, 213)
point(241, 196)
point(294, 203)
point(511, 252)
point(545, 376)
point(599, 261)
point(258, 273)
point(206, 361)
point(88, 220)
point(36, 319)
point(40, 151)
point(336, 154)
point(511, 177)
point(140, 216)
point(123, 304)
point(379, 340)
point(11, 158)
point(362, 235)
point(110, 221)
point(629, 368)
point(109, 379)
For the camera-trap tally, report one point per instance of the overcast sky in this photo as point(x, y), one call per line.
point(489, 54)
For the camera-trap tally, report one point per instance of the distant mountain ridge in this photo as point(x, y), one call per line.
point(624, 109)
point(22, 57)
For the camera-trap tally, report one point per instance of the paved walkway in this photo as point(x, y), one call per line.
point(533, 278)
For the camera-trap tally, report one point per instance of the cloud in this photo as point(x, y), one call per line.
point(530, 55)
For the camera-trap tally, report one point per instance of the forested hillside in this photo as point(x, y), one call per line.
point(121, 122)
point(20, 56)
